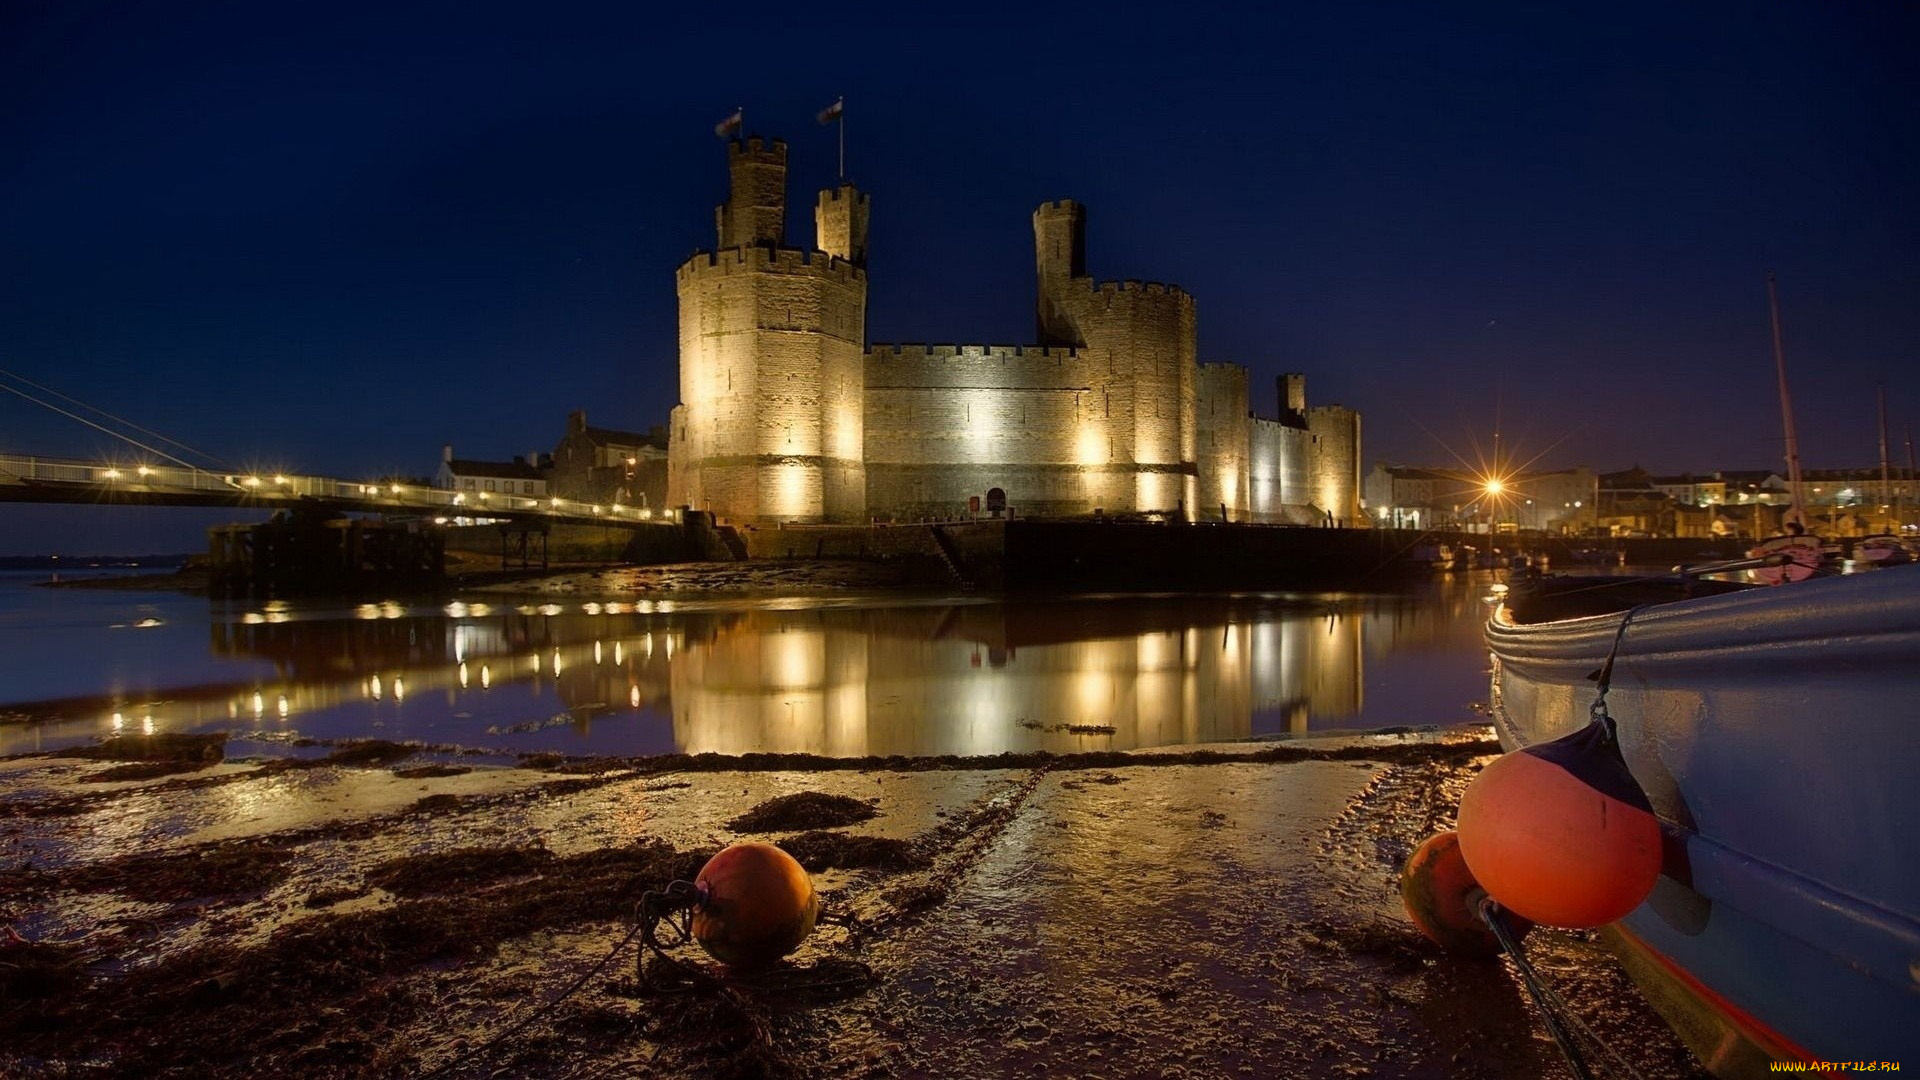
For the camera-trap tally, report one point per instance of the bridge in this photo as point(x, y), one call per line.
point(32, 479)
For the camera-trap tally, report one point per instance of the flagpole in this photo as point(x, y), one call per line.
point(843, 142)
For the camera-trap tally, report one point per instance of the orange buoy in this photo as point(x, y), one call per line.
point(1560, 833)
point(1440, 896)
point(756, 905)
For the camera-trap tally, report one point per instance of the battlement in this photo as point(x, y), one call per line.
point(757, 146)
point(969, 352)
point(1113, 289)
point(1221, 367)
point(764, 258)
point(1058, 205)
point(834, 194)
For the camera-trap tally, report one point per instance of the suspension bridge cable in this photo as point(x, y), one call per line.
point(110, 416)
point(183, 463)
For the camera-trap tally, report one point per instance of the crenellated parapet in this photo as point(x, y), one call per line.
point(764, 259)
point(884, 353)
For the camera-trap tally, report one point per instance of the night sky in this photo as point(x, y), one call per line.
point(329, 238)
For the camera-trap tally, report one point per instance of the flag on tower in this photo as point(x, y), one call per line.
point(725, 128)
point(832, 112)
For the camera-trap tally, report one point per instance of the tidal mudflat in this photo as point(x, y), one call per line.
point(369, 911)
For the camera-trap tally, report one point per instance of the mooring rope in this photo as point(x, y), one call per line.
point(1554, 1010)
point(521, 1024)
point(1490, 914)
point(1598, 711)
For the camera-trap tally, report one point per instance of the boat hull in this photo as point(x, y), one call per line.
point(1774, 732)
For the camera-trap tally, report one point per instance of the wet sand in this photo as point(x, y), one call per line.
point(1231, 910)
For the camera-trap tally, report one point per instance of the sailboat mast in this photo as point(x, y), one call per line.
point(1795, 513)
point(1886, 480)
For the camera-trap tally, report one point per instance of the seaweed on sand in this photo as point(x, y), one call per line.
point(803, 810)
point(214, 1011)
point(220, 871)
point(458, 870)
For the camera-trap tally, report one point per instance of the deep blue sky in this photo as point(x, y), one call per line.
point(331, 237)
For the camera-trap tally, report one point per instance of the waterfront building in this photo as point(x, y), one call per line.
point(608, 466)
point(787, 414)
point(518, 477)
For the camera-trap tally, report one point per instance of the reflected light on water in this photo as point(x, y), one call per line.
point(939, 677)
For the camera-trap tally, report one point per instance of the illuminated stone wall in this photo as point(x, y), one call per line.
point(948, 421)
point(1223, 441)
point(1277, 473)
point(1333, 463)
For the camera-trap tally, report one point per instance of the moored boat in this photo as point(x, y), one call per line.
point(1772, 731)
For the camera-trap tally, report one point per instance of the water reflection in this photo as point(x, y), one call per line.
point(964, 677)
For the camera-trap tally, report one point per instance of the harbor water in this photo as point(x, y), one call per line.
point(499, 675)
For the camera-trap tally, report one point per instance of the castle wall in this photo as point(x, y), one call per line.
point(1147, 329)
point(1277, 472)
point(946, 422)
point(1334, 464)
point(1223, 438)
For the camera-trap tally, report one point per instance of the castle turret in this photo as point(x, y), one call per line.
point(770, 424)
point(1060, 256)
point(1293, 397)
point(756, 207)
point(840, 223)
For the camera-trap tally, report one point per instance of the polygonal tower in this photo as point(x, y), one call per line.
point(769, 426)
point(1143, 334)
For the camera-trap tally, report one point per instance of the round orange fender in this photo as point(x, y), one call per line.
point(1560, 833)
point(1439, 893)
point(756, 905)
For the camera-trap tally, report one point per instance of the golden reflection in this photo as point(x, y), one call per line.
point(929, 679)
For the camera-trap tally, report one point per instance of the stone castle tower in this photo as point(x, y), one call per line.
point(770, 423)
point(786, 414)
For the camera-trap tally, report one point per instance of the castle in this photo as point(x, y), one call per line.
point(788, 415)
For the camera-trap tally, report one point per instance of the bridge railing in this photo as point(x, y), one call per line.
point(270, 488)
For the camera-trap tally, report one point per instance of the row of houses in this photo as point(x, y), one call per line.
point(589, 464)
point(1633, 502)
